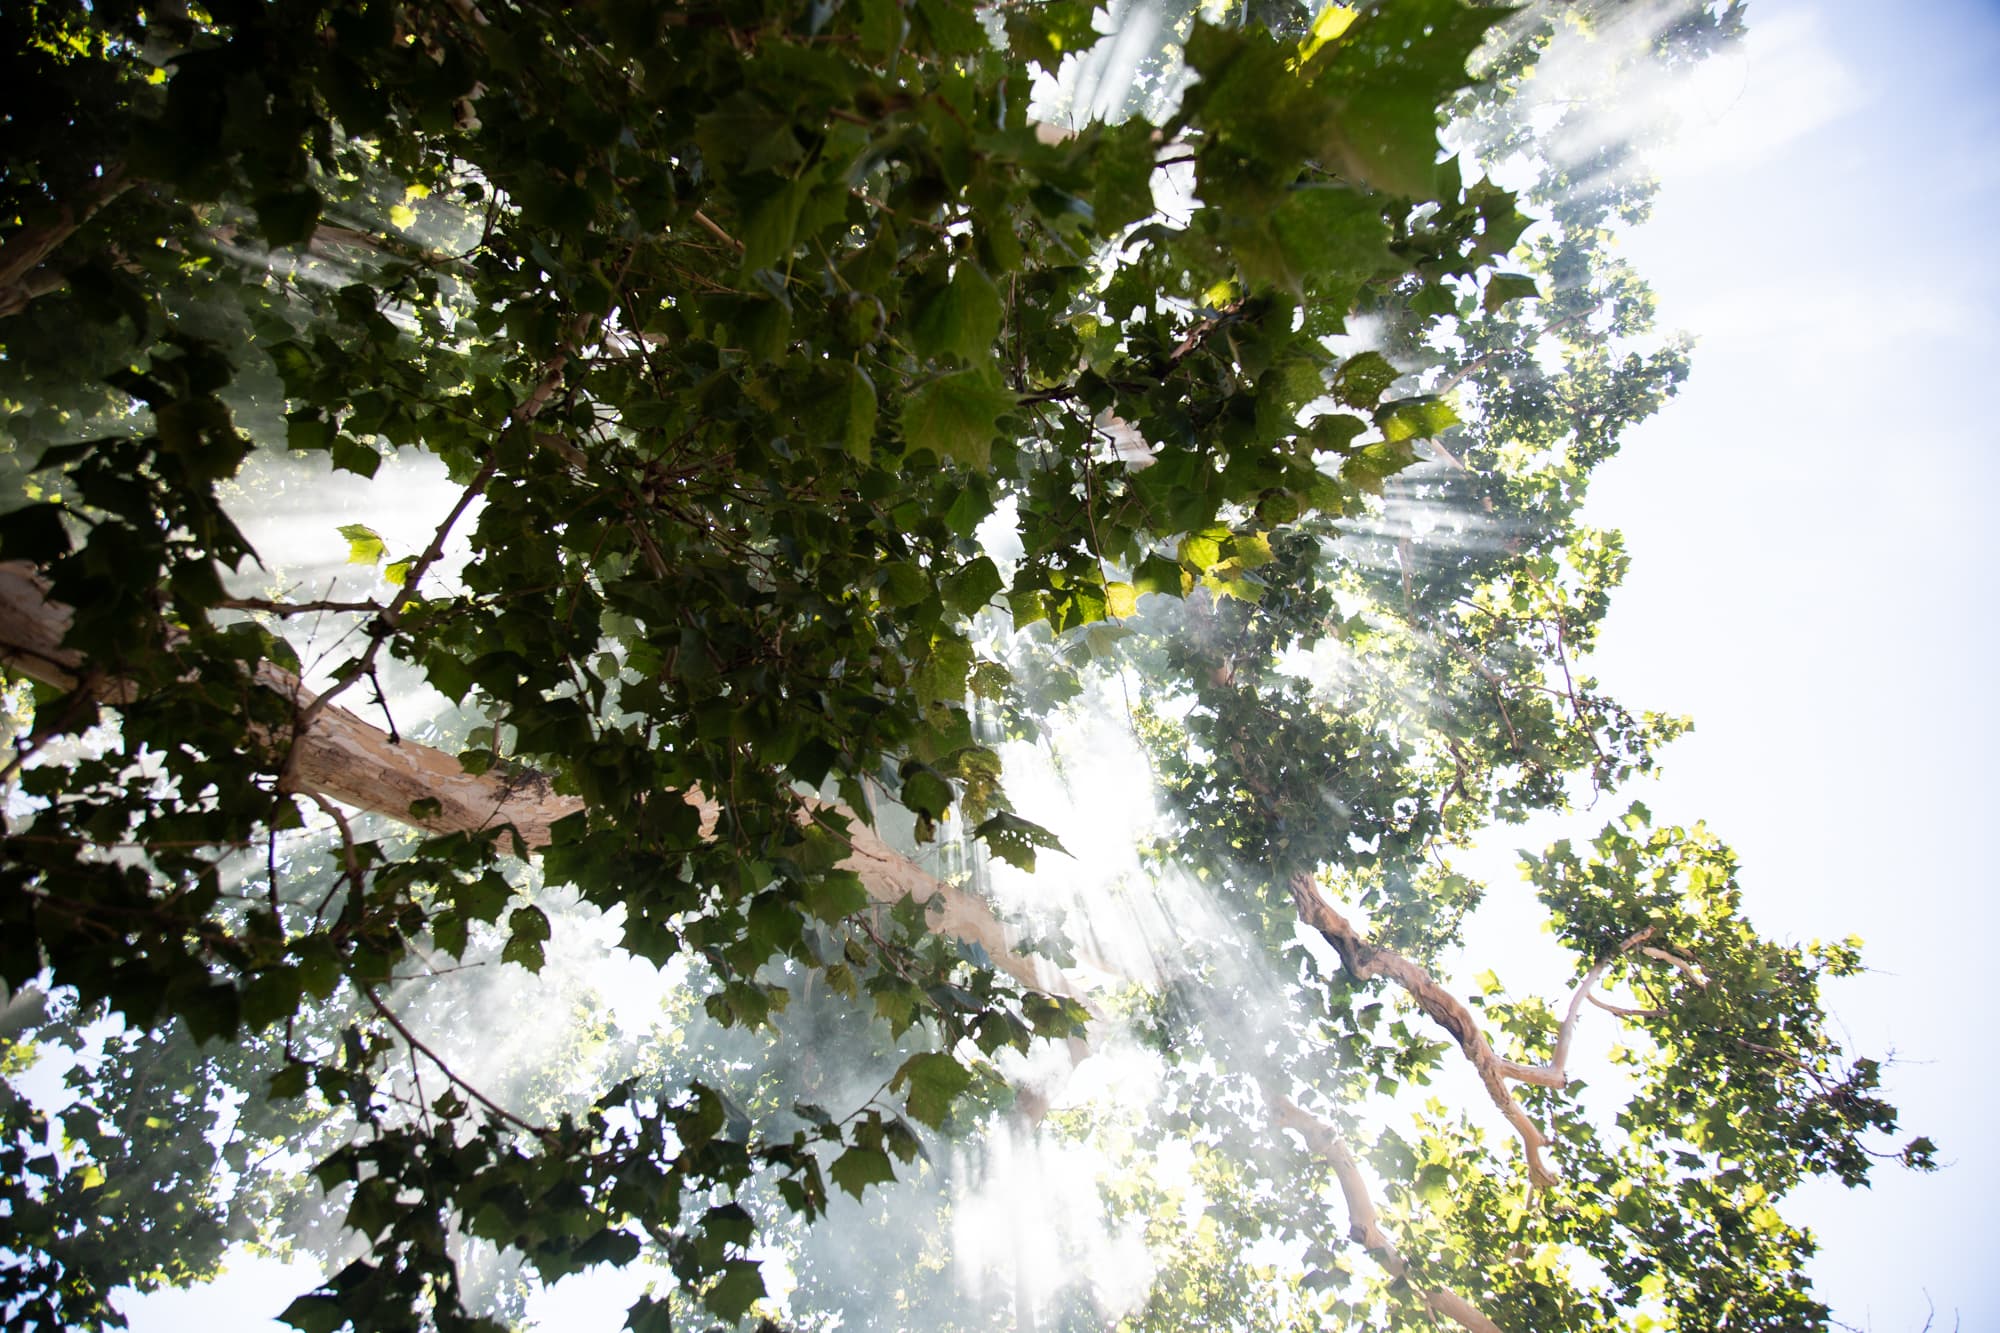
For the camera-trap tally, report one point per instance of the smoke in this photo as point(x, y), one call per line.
point(1611, 92)
point(1020, 1222)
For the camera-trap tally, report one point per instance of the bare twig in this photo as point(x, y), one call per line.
point(1624, 1012)
point(403, 1031)
point(350, 862)
point(709, 225)
point(385, 623)
point(274, 608)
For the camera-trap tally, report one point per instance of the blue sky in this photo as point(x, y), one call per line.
point(1812, 579)
point(1813, 570)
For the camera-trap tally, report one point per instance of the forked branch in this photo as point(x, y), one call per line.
point(1366, 962)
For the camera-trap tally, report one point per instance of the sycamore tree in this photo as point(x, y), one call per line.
point(817, 422)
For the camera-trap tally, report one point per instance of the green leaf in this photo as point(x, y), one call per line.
point(528, 929)
point(961, 318)
point(934, 1080)
point(289, 1082)
point(1323, 239)
point(649, 1315)
point(1362, 380)
point(1412, 418)
point(836, 894)
point(271, 997)
point(1334, 432)
point(319, 965)
point(989, 680)
point(728, 1224)
point(770, 223)
point(858, 1168)
point(1121, 163)
point(1120, 600)
point(315, 1314)
point(957, 416)
point(609, 1246)
point(1200, 552)
point(972, 587)
point(858, 409)
point(364, 546)
point(1369, 467)
point(288, 217)
point(1384, 79)
point(925, 790)
point(1504, 287)
point(1045, 33)
point(939, 676)
point(1251, 550)
point(1014, 839)
point(904, 584)
point(1158, 574)
point(732, 1294)
point(33, 533)
point(350, 455)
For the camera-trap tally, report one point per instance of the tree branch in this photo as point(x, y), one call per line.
point(1362, 1223)
point(1365, 962)
point(29, 248)
point(345, 759)
point(409, 1037)
point(1624, 1012)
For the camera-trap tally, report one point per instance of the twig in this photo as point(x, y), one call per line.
point(385, 623)
point(1623, 1012)
point(404, 1032)
point(708, 224)
point(348, 859)
point(272, 608)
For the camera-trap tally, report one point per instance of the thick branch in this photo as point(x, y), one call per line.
point(1365, 962)
point(1362, 1223)
point(344, 758)
point(1555, 1074)
point(29, 248)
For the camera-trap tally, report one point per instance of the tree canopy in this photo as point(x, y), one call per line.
point(827, 413)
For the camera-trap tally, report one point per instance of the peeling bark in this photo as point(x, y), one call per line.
point(337, 755)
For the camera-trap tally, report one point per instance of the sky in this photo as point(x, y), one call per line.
point(1812, 570)
point(1811, 565)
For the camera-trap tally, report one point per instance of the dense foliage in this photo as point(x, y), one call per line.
point(818, 423)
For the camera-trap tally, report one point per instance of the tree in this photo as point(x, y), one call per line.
point(735, 326)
